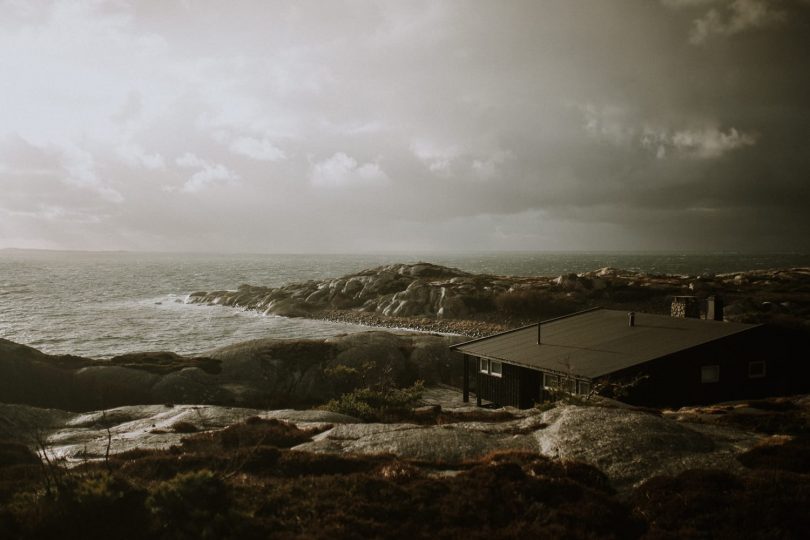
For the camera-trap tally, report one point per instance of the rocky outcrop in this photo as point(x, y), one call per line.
point(78, 437)
point(428, 296)
point(398, 290)
point(628, 445)
point(262, 373)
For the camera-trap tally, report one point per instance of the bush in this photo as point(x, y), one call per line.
point(192, 505)
point(257, 431)
point(14, 453)
point(377, 404)
point(184, 427)
point(98, 506)
point(792, 455)
point(715, 504)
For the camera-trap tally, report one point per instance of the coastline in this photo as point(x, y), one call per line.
point(453, 327)
point(425, 297)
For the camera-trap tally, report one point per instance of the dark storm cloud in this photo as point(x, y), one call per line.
point(311, 126)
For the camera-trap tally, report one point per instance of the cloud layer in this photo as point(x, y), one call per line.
point(363, 126)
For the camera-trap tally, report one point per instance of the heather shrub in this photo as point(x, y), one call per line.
point(257, 431)
point(191, 505)
point(184, 427)
point(97, 506)
point(14, 453)
point(374, 404)
point(716, 504)
point(791, 455)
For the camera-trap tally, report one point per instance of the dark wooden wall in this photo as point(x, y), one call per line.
point(517, 387)
point(504, 390)
point(531, 382)
point(675, 380)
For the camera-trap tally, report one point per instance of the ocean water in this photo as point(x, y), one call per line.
point(103, 304)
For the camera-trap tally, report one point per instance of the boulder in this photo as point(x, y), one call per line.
point(267, 373)
point(443, 444)
point(630, 446)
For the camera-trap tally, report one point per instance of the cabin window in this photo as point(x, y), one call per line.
point(550, 382)
point(756, 370)
point(569, 385)
point(584, 387)
point(496, 368)
point(484, 365)
point(709, 374)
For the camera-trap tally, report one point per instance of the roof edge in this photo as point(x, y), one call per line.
point(457, 345)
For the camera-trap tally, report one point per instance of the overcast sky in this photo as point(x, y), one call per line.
point(365, 126)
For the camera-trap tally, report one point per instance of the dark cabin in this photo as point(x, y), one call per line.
point(674, 360)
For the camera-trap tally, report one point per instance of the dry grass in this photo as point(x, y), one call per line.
point(245, 482)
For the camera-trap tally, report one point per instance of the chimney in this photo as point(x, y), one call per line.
point(631, 319)
point(685, 307)
point(538, 333)
point(714, 308)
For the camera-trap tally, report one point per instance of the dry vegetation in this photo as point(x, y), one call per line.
point(245, 482)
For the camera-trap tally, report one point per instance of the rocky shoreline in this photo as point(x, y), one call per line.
point(431, 298)
point(460, 327)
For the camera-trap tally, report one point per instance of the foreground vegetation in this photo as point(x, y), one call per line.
point(245, 482)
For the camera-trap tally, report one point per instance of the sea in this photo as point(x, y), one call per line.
point(102, 304)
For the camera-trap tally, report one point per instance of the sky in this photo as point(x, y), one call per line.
point(354, 126)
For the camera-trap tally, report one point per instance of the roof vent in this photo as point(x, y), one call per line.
point(631, 318)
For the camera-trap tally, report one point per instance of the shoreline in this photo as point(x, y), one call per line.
point(375, 321)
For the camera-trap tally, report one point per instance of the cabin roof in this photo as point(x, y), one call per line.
point(599, 341)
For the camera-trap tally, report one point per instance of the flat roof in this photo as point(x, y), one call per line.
point(596, 342)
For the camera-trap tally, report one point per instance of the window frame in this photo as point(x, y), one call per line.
point(569, 386)
point(760, 375)
point(704, 371)
point(492, 371)
point(551, 381)
point(581, 385)
point(483, 367)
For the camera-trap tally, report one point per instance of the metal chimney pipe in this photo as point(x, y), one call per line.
point(538, 333)
point(631, 318)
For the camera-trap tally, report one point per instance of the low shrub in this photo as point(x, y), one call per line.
point(166, 465)
point(776, 404)
point(184, 427)
point(94, 506)
point(791, 455)
point(494, 499)
point(14, 453)
point(772, 422)
point(192, 505)
point(295, 464)
point(377, 404)
point(253, 432)
point(257, 431)
point(715, 504)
